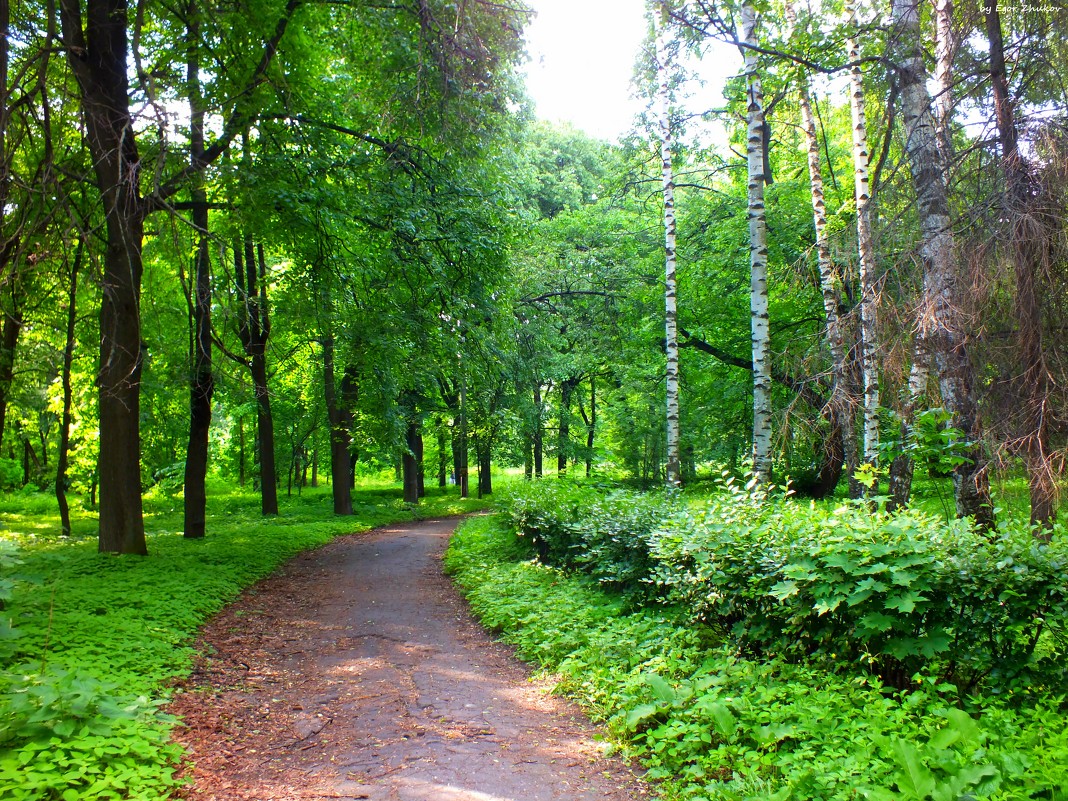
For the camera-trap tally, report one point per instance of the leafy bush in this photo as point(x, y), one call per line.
point(713, 724)
point(900, 594)
point(897, 594)
point(606, 535)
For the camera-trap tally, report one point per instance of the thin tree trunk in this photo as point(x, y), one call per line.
point(866, 251)
point(461, 461)
point(671, 340)
point(339, 437)
point(485, 480)
point(1028, 236)
point(443, 455)
point(63, 453)
point(840, 444)
point(9, 338)
point(945, 53)
point(941, 324)
point(563, 437)
point(255, 331)
point(241, 451)
point(539, 434)
point(203, 383)
point(758, 249)
point(410, 464)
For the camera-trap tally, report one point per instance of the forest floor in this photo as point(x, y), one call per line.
point(356, 672)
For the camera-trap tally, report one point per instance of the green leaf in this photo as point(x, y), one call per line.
point(661, 689)
point(640, 714)
point(904, 603)
point(784, 590)
point(877, 622)
point(915, 778)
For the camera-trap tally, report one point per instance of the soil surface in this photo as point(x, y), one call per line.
point(356, 672)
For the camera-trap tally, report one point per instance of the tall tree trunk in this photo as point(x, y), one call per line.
point(671, 339)
point(866, 251)
point(539, 433)
point(99, 57)
point(255, 331)
point(941, 324)
point(461, 446)
point(203, 383)
point(339, 435)
point(484, 450)
point(410, 463)
point(840, 444)
point(63, 453)
point(563, 436)
point(443, 455)
point(9, 338)
point(758, 248)
point(591, 424)
point(945, 52)
point(1028, 237)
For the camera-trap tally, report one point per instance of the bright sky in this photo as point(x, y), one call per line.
point(582, 59)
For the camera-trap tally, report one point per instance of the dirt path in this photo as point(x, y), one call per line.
point(356, 673)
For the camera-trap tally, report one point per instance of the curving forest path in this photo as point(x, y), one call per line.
point(357, 673)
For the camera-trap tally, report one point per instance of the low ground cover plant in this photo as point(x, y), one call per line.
point(99, 638)
point(755, 667)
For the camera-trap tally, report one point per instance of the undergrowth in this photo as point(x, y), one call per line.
point(714, 725)
point(98, 639)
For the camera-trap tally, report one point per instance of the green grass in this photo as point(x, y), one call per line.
point(101, 637)
point(715, 725)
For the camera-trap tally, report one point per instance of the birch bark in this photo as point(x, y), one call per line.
point(841, 401)
point(674, 462)
point(758, 249)
point(940, 323)
point(865, 248)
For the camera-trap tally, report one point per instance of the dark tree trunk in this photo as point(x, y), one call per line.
point(350, 395)
point(63, 452)
point(591, 424)
point(461, 466)
point(255, 331)
point(485, 480)
point(420, 468)
point(98, 56)
point(539, 434)
point(241, 451)
point(340, 465)
point(563, 439)
point(443, 454)
point(1029, 242)
point(410, 463)
point(203, 383)
point(9, 338)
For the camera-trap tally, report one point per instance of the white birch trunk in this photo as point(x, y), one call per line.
point(758, 251)
point(674, 462)
point(940, 325)
point(866, 250)
point(841, 403)
point(945, 52)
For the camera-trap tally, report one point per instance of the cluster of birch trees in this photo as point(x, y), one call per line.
point(945, 288)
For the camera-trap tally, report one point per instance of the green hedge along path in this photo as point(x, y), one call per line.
point(357, 673)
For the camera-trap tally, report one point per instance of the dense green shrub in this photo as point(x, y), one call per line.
point(896, 594)
point(901, 593)
point(606, 534)
point(714, 724)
